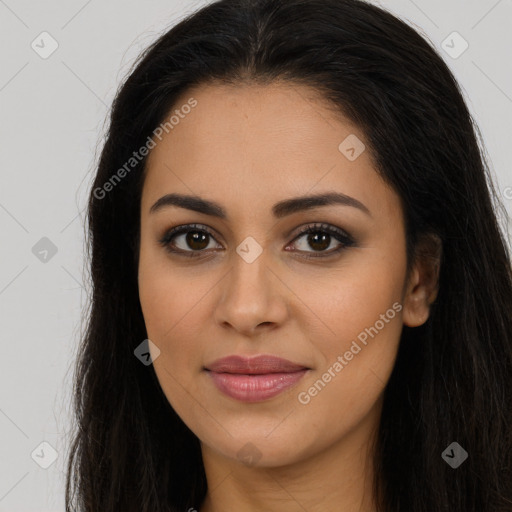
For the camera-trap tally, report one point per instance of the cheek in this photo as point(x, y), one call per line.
point(168, 294)
point(357, 362)
point(164, 307)
point(173, 317)
point(170, 306)
point(361, 321)
point(354, 299)
point(174, 305)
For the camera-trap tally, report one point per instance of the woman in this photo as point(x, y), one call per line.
point(302, 299)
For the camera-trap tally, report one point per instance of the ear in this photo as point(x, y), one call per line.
point(423, 283)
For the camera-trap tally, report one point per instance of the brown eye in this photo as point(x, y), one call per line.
point(196, 240)
point(191, 240)
point(319, 241)
point(319, 238)
point(188, 240)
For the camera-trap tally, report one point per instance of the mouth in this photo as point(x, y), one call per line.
point(254, 379)
point(257, 365)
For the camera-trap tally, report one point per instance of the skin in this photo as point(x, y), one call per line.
point(248, 148)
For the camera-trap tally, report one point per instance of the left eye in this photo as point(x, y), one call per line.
point(195, 240)
point(320, 237)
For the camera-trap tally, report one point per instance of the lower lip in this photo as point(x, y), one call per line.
point(255, 388)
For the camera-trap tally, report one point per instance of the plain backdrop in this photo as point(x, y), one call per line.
point(52, 119)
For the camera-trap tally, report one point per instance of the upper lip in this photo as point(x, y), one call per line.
point(260, 364)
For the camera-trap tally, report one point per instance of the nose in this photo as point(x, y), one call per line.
point(252, 297)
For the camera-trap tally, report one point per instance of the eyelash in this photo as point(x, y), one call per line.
point(340, 235)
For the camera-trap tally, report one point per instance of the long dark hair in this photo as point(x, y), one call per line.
point(453, 375)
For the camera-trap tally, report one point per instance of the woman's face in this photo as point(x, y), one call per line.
point(244, 281)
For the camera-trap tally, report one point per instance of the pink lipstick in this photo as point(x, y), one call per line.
point(254, 379)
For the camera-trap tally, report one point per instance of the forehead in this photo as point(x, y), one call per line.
point(252, 142)
point(275, 119)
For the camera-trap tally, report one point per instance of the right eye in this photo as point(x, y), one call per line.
point(194, 240)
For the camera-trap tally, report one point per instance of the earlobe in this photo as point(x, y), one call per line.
point(423, 285)
point(416, 310)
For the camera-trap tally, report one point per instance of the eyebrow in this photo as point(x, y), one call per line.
point(279, 210)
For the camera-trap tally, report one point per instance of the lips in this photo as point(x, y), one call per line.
point(257, 365)
point(254, 379)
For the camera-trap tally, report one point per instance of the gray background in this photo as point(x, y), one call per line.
point(53, 113)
